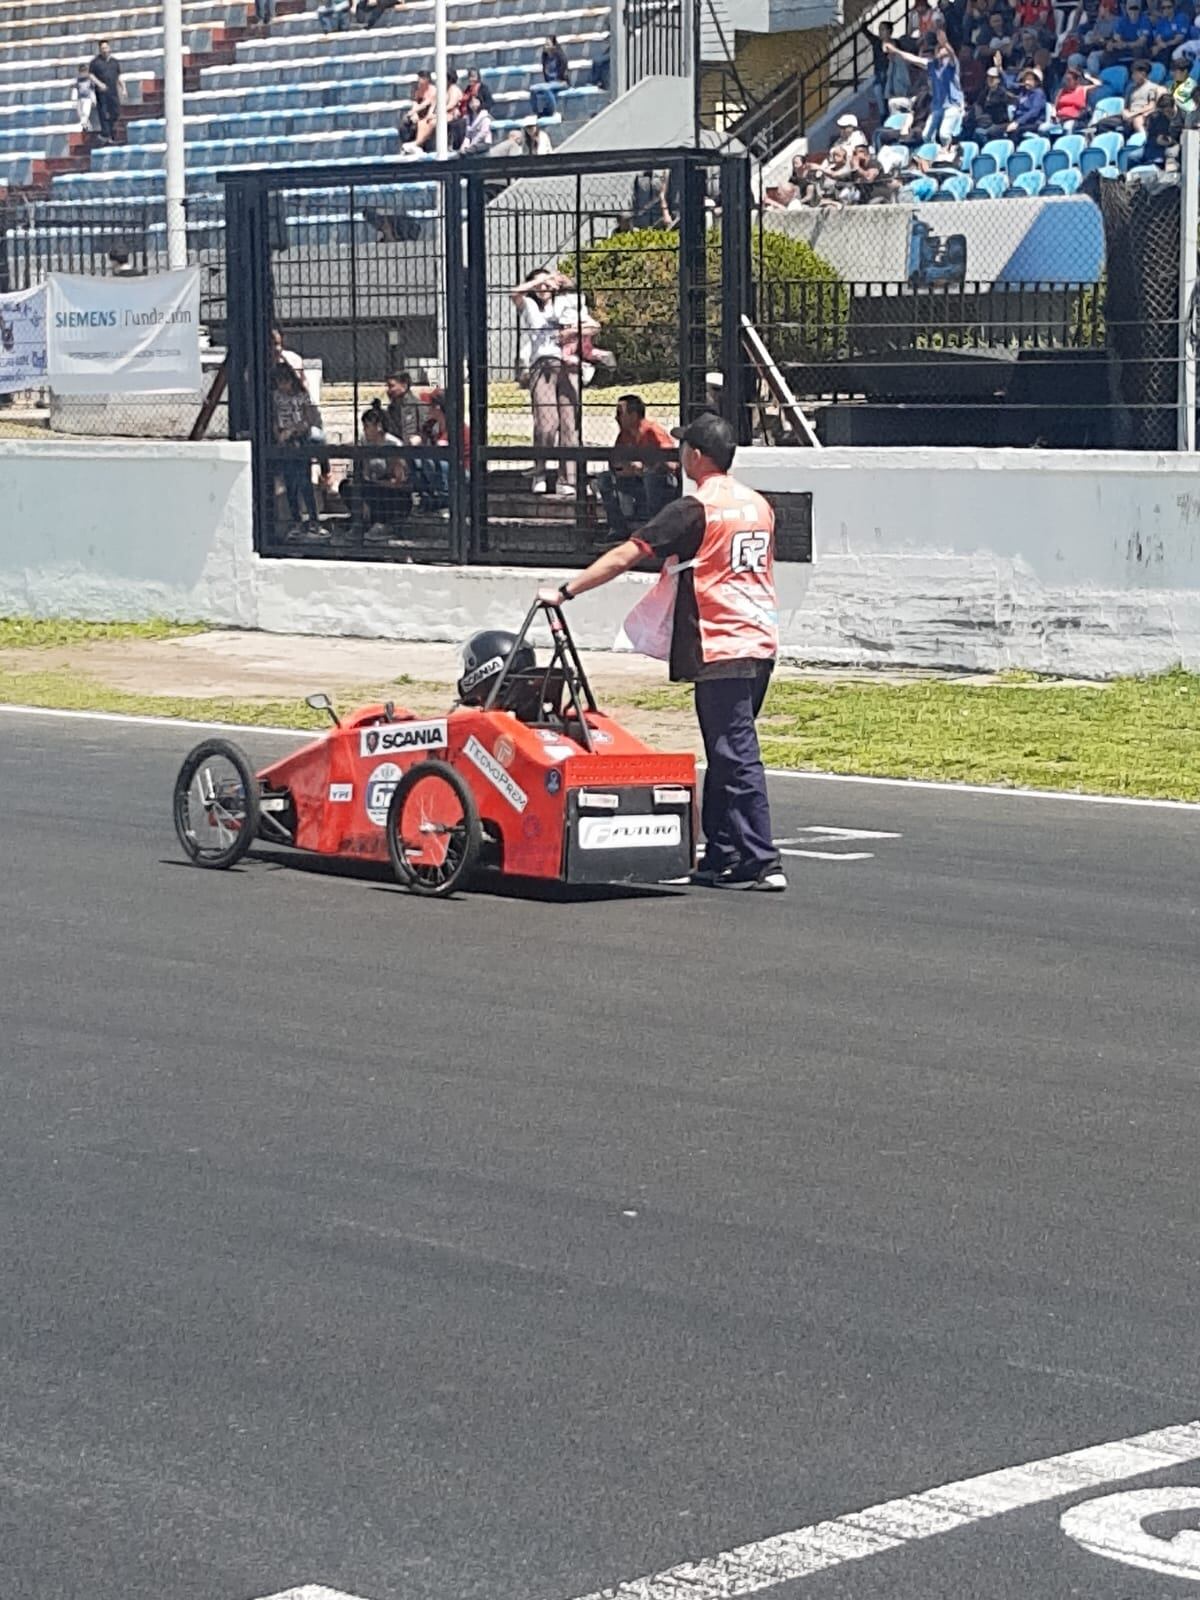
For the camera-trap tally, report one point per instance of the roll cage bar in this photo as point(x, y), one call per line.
point(564, 657)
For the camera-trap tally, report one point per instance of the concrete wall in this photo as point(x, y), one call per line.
point(1077, 563)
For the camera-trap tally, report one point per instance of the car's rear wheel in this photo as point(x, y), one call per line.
point(216, 804)
point(433, 829)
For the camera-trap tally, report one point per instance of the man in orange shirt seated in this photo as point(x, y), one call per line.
point(636, 488)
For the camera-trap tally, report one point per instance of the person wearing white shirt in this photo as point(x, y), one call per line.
point(553, 386)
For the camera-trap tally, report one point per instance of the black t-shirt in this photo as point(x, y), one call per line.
point(108, 70)
point(678, 530)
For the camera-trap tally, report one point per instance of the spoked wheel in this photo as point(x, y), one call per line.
point(216, 804)
point(433, 829)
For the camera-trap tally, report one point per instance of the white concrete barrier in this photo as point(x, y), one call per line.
point(1078, 563)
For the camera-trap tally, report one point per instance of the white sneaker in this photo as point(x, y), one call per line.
point(539, 486)
point(565, 491)
point(770, 882)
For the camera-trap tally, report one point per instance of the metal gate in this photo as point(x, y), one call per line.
point(399, 279)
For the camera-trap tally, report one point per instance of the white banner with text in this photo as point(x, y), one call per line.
point(124, 335)
point(22, 340)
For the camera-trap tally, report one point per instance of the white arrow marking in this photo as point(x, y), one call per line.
point(1113, 1527)
point(751, 1568)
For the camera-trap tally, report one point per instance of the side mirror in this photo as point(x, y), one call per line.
point(322, 702)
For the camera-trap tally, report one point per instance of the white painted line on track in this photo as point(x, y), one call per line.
point(817, 776)
point(156, 722)
point(751, 1568)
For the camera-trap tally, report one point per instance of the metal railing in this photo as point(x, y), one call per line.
point(655, 41)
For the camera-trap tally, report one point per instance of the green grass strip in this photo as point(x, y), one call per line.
point(18, 633)
point(1135, 736)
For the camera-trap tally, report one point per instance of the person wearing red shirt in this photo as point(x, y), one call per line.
point(1071, 103)
point(647, 484)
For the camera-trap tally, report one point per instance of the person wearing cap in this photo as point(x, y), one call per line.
point(725, 641)
point(994, 108)
point(945, 91)
point(850, 135)
point(535, 141)
point(1030, 110)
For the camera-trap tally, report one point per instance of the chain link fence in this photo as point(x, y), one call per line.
point(1020, 321)
point(106, 239)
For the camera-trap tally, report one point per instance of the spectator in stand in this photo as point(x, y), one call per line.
point(419, 122)
point(1071, 104)
point(478, 90)
point(994, 110)
point(370, 13)
point(555, 71)
point(477, 130)
point(880, 63)
point(635, 489)
point(976, 29)
point(876, 186)
point(456, 110)
point(1183, 86)
point(1141, 97)
point(334, 15)
point(403, 409)
point(379, 495)
point(292, 412)
point(1038, 15)
point(897, 83)
point(850, 135)
point(1164, 126)
point(1168, 31)
point(83, 93)
point(264, 11)
point(931, 20)
point(119, 261)
point(534, 140)
point(553, 390)
point(945, 118)
point(1029, 113)
point(1133, 32)
point(105, 70)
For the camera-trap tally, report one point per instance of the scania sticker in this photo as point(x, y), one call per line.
point(495, 774)
point(398, 738)
point(381, 786)
point(505, 750)
point(477, 675)
point(339, 793)
point(553, 781)
point(628, 833)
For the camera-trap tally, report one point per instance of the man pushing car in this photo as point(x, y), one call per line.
point(724, 640)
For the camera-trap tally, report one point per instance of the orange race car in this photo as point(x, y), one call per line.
point(523, 774)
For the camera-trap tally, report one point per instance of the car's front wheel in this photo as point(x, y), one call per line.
point(433, 829)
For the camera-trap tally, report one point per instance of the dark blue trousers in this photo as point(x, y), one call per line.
point(734, 811)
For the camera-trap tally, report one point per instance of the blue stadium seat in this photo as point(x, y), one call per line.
point(1034, 146)
point(1115, 78)
point(1066, 182)
point(1158, 73)
point(990, 187)
point(927, 152)
point(969, 151)
point(1136, 174)
point(1111, 142)
point(1109, 106)
point(955, 187)
point(1027, 183)
point(923, 188)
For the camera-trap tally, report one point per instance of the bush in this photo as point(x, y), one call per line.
point(631, 281)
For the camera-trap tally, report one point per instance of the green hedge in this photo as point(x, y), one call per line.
point(631, 281)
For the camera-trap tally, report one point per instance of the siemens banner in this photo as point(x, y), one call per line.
point(22, 340)
point(124, 335)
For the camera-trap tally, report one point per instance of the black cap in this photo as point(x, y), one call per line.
point(712, 436)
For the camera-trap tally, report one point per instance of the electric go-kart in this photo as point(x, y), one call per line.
point(523, 774)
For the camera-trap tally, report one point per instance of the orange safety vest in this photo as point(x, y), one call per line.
point(734, 574)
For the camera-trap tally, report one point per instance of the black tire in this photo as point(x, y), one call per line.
point(236, 815)
point(464, 835)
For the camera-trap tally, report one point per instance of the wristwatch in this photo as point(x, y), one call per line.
point(563, 592)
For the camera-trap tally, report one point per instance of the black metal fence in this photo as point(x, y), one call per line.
point(655, 39)
point(464, 416)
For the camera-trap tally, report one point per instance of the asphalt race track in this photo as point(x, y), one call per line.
point(509, 1248)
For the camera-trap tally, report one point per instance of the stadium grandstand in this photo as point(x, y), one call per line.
point(304, 93)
